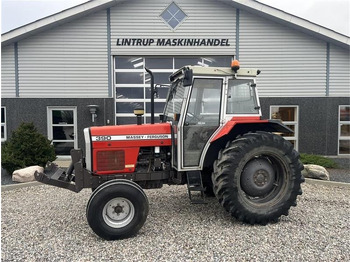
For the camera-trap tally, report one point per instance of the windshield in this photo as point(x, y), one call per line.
point(176, 96)
point(241, 97)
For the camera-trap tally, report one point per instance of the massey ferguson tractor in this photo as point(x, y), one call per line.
point(211, 137)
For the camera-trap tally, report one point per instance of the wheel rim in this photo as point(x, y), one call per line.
point(263, 180)
point(118, 212)
point(258, 177)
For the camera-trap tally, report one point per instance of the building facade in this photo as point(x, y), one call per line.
point(59, 69)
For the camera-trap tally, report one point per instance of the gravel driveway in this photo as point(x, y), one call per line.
point(44, 223)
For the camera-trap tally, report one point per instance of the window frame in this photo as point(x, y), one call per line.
point(295, 123)
point(4, 124)
point(50, 126)
point(340, 137)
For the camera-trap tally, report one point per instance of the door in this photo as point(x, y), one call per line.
point(202, 118)
point(62, 129)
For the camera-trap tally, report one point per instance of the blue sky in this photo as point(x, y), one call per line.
point(333, 14)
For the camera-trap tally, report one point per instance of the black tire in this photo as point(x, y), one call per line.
point(257, 177)
point(207, 182)
point(117, 209)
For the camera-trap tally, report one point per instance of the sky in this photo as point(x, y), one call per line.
point(333, 14)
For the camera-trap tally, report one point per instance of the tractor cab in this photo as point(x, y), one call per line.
point(200, 102)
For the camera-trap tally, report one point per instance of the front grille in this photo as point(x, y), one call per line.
point(110, 160)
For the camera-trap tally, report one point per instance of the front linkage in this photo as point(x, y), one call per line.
point(77, 177)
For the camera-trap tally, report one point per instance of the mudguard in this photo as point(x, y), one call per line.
point(255, 124)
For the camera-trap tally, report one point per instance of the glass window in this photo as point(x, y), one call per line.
point(62, 117)
point(3, 124)
point(173, 15)
point(130, 93)
point(220, 61)
point(175, 99)
point(344, 130)
point(63, 132)
point(158, 107)
point(129, 78)
point(159, 63)
point(129, 107)
point(126, 62)
point(159, 78)
point(62, 129)
point(162, 92)
point(241, 97)
point(284, 113)
point(289, 116)
point(184, 61)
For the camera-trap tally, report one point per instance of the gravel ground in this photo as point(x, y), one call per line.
point(44, 223)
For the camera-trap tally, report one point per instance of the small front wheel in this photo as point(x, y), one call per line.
point(117, 209)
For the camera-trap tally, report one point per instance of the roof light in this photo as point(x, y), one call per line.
point(235, 65)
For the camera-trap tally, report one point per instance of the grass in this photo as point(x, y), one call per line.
point(317, 160)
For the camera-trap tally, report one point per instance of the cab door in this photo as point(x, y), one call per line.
point(201, 119)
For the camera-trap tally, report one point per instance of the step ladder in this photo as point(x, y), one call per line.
point(195, 184)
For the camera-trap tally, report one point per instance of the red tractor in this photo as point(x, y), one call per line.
point(211, 137)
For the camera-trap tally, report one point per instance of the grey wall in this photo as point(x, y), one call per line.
point(8, 71)
point(61, 62)
point(35, 110)
point(292, 63)
point(141, 19)
point(318, 121)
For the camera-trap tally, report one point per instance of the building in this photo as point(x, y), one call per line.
point(57, 70)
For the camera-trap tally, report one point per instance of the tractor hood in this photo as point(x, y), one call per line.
point(160, 132)
point(115, 149)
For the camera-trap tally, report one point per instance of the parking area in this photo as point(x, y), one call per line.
point(43, 223)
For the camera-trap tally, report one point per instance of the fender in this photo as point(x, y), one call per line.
point(254, 123)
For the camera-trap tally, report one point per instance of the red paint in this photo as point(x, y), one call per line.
point(130, 147)
point(237, 120)
point(163, 128)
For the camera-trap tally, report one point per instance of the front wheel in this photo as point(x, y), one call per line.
point(117, 209)
point(257, 177)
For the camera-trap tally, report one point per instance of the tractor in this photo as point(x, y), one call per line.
point(211, 136)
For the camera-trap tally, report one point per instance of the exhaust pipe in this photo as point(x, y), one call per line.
point(152, 94)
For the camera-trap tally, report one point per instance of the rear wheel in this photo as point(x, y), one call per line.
point(257, 177)
point(117, 209)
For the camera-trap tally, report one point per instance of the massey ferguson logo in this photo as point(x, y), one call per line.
point(142, 137)
point(131, 137)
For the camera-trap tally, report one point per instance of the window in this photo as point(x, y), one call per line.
point(3, 124)
point(62, 129)
point(241, 98)
point(173, 15)
point(289, 117)
point(344, 130)
point(132, 83)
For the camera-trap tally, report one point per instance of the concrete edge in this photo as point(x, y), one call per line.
point(22, 185)
point(307, 181)
point(326, 183)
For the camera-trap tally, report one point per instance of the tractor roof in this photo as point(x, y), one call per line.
point(215, 71)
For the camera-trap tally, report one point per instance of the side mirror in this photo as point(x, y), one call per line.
point(188, 77)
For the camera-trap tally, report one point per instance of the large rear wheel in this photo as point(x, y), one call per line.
point(257, 177)
point(117, 209)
